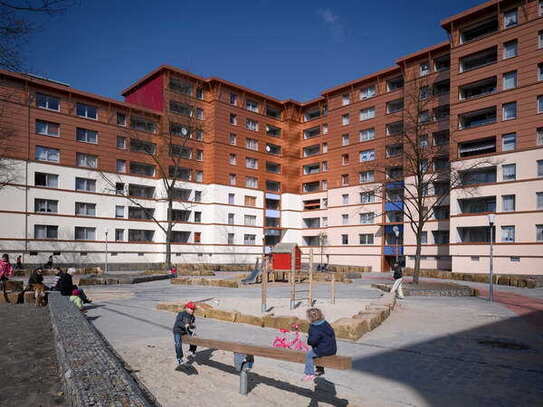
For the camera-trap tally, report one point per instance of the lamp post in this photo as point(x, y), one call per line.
point(491, 222)
point(322, 236)
point(396, 231)
point(106, 265)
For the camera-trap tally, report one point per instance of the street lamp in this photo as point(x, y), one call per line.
point(491, 222)
point(106, 266)
point(322, 237)
point(396, 231)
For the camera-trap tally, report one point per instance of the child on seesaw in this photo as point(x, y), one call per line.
point(184, 325)
point(322, 339)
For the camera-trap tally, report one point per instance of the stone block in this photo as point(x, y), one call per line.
point(12, 297)
point(280, 322)
point(374, 318)
point(250, 319)
point(504, 280)
point(354, 275)
point(350, 328)
point(169, 306)
point(222, 315)
point(379, 308)
point(13, 285)
point(480, 278)
point(531, 283)
point(180, 281)
point(521, 282)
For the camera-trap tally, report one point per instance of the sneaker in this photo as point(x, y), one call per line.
point(180, 362)
point(191, 354)
point(308, 378)
point(319, 371)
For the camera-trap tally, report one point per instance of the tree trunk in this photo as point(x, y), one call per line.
point(416, 269)
point(169, 236)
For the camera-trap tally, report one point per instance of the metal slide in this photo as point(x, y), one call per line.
point(254, 274)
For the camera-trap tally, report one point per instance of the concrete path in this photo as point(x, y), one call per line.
point(432, 351)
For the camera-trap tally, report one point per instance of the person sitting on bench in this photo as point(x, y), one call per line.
point(322, 339)
point(184, 325)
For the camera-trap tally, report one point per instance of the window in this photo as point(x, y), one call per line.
point(324, 185)
point(424, 116)
point(198, 176)
point(47, 128)
point(231, 219)
point(180, 85)
point(367, 197)
point(539, 136)
point(48, 205)
point(121, 166)
point(232, 139)
point(88, 111)
point(232, 179)
point(367, 155)
point(121, 119)
point(540, 72)
point(366, 114)
point(251, 182)
point(249, 239)
point(46, 180)
point(442, 63)
point(200, 93)
point(510, 18)
point(394, 129)
point(85, 233)
point(143, 169)
point(47, 102)
point(47, 154)
point(197, 217)
point(540, 8)
point(366, 238)
point(250, 200)
point(45, 232)
point(232, 160)
point(509, 172)
point(345, 159)
point(424, 92)
point(510, 80)
point(345, 99)
point(119, 235)
point(510, 49)
point(367, 218)
point(251, 125)
point(142, 124)
point(251, 105)
point(477, 118)
point(423, 141)
point(367, 176)
point(85, 209)
point(540, 168)
point(394, 150)
point(231, 198)
point(251, 144)
point(345, 179)
point(273, 131)
point(509, 142)
point(345, 120)
point(395, 83)
point(249, 220)
point(139, 235)
point(324, 147)
point(233, 99)
point(508, 233)
point(344, 239)
point(86, 136)
point(199, 113)
point(540, 104)
point(539, 233)
point(394, 106)
point(199, 155)
point(424, 69)
point(86, 160)
point(509, 111)
point(344, 219)
point(539, 200)
point(233, 119)
point(273, 112)
point(251, 163)
point(230, 238)
point(119, 211)
point(508, 203)
point(367, 134)
point(540, 39)
point(121, 142)
point(369, 92)
point(85, 184)
point(345, 199)
point(273, 167)
point(345, 140)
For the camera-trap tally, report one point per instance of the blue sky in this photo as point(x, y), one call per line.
point(286, 49)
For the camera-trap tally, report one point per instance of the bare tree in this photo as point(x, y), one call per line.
point(417, 177)
point(169, 151)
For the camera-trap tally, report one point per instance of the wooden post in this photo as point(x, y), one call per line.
point(264, 287)
point(292, 277)
point(333, 289)
point(310, 294)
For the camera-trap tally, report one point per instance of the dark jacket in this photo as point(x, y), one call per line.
point(65, 284)
point(35, 278)
point(397, 272)
point(322, 338)
point(180, 326)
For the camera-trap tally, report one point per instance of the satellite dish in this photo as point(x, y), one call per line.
point(184, 131)
point(268, 148)
point(396, 230)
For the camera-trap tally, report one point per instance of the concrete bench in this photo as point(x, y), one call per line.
point(248, 351)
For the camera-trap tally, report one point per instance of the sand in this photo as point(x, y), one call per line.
point(29, 373)
point(343, 308)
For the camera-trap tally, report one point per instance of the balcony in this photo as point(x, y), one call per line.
point(272, 167)
point(477, 205)
point(273, 131)
point(312, 150)
point(479, 234)
point(478, 176)
point(312, 241)
point(312, 204)
point(477, 118)
point(275, 197)
point(311, 223)
point(312, 132)
point(480, 88)
point(272, 232)
point(394, 217)
point(395, 185)
point(272, 213)
point(272, 222)
point(479, 59)
point(141, 191)
point(314, 168)
point(479, 30)
point(393, 250)
point(273, 149)
point(477, 147)
point(393, 206)
point(273, 186)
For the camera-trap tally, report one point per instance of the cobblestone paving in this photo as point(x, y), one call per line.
point(430, 352)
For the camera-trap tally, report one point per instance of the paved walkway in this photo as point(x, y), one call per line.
point(432, 351)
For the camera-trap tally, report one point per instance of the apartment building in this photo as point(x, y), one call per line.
point(253, 170)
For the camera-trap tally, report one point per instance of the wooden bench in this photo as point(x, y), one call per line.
point(332, 362)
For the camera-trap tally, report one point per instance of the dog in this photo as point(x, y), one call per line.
point(40, 298)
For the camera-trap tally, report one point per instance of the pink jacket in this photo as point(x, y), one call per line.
point(6, 269)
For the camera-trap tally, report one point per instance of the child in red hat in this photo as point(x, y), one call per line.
point(184, 325)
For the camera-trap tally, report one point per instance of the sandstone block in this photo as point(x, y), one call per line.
point(349, 328)
point(222, 315)
point(13, 285)
point(280, 322)
point(531, 283)
point(250, 319)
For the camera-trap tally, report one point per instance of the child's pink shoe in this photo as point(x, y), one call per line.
point(308, 378)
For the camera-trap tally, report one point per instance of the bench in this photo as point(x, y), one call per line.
point(248, 351)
